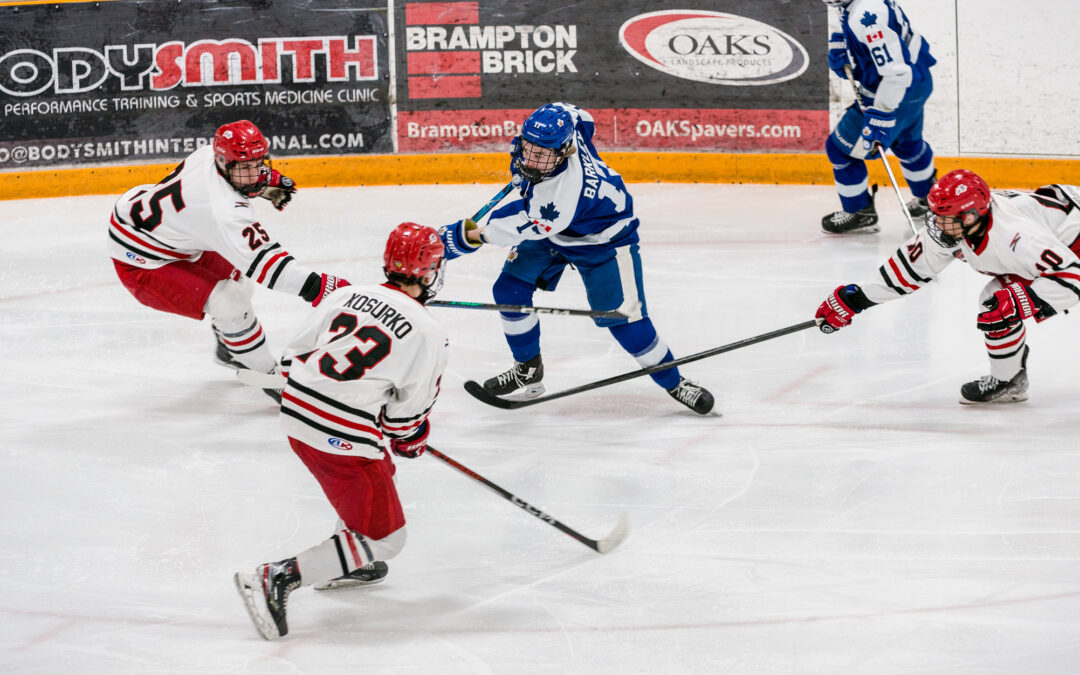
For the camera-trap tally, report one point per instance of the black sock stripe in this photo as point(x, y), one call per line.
point(345, 569)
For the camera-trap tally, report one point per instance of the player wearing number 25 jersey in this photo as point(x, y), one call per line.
point(1028, 243)
point(573, 210)
point(191, 244)
point(362, 374)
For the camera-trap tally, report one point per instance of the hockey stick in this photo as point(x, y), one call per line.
point(493, 202)
point(528, 309)
point(881, 153)
point(608, 543)
point(483, 395)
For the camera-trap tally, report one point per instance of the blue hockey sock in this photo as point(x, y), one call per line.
point(640, 339)
point(522, 331)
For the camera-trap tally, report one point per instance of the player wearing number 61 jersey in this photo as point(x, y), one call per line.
point(363, 374)
point(191, 244)
point(573, 210)
point(1028, 243)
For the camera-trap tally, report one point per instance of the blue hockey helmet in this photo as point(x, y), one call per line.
point(549, 128)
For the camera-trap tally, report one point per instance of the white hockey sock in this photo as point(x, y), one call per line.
point(246, 342)
point(344, 552)
point(1006, 351)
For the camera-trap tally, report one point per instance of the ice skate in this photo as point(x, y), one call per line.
point(266, 593)
point(361, 576)
point(520, 383)
point(223, 357)
point(989, 389)
point(918, 207)
point(863, 221)
point(693, 396)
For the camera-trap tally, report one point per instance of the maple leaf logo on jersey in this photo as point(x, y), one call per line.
point(548, 212)
point(868, 19)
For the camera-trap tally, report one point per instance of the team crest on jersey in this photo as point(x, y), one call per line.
point(549, 212)
point(868, 19)
point(340, 444)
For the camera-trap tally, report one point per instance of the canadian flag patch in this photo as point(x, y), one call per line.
point(880, 35)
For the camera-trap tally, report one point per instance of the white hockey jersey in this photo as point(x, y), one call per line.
point(1031, 237)
point(366, 366)
point(194, 209)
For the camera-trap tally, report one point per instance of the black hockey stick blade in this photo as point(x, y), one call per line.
point(528, 309)
point(478, 392)
point(605, 545)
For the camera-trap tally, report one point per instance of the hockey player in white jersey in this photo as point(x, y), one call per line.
point(1028, 243)
point(191, 244)
point(362, 376)
point(573, 210)
point(891, 63)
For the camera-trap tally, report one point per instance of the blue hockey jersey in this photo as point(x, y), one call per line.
point(889, 56)
point(582, 209)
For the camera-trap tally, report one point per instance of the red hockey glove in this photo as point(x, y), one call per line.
point(279, 190)
point(328, 283)
point(1006, 308)
point(835, 312)
point(413, 446)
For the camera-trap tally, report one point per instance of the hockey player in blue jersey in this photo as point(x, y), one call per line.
point(891, 64)
point(573, 210)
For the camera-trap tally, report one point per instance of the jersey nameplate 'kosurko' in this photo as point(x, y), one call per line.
point(889, 56)
point(582, 208)
point(366, 366)
point(194, 209)
point(1032, 237)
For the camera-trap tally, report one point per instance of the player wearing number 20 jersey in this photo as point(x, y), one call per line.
point(192, 245)
point(1028, 242)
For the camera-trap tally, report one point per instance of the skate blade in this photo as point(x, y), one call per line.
point(526, 393)
point(247, 586)
point(869, 229)
point(338, 584)
point(1010, 398)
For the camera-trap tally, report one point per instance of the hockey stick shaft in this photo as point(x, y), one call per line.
point(600, 546)
point(493, 202)
point(480, 393)
point(528, 309)
point(881, 151)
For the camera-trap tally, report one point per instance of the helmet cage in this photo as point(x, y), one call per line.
point(242, 156)
point(546, 140)
point(959, 204)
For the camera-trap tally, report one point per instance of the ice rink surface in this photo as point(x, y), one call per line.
point(844, 514)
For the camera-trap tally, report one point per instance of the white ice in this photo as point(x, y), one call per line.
point(844, 514)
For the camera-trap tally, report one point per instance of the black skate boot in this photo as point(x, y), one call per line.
point(693, 396)
point(361, 576)
point(863, 221)
point(918, 207)
point(520, 383)
point(266, 593)
point(223, 357)
point(989, 389)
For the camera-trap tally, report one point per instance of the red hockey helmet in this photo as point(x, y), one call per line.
point(414, 254)
point(243, 156)
point(957, 195)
